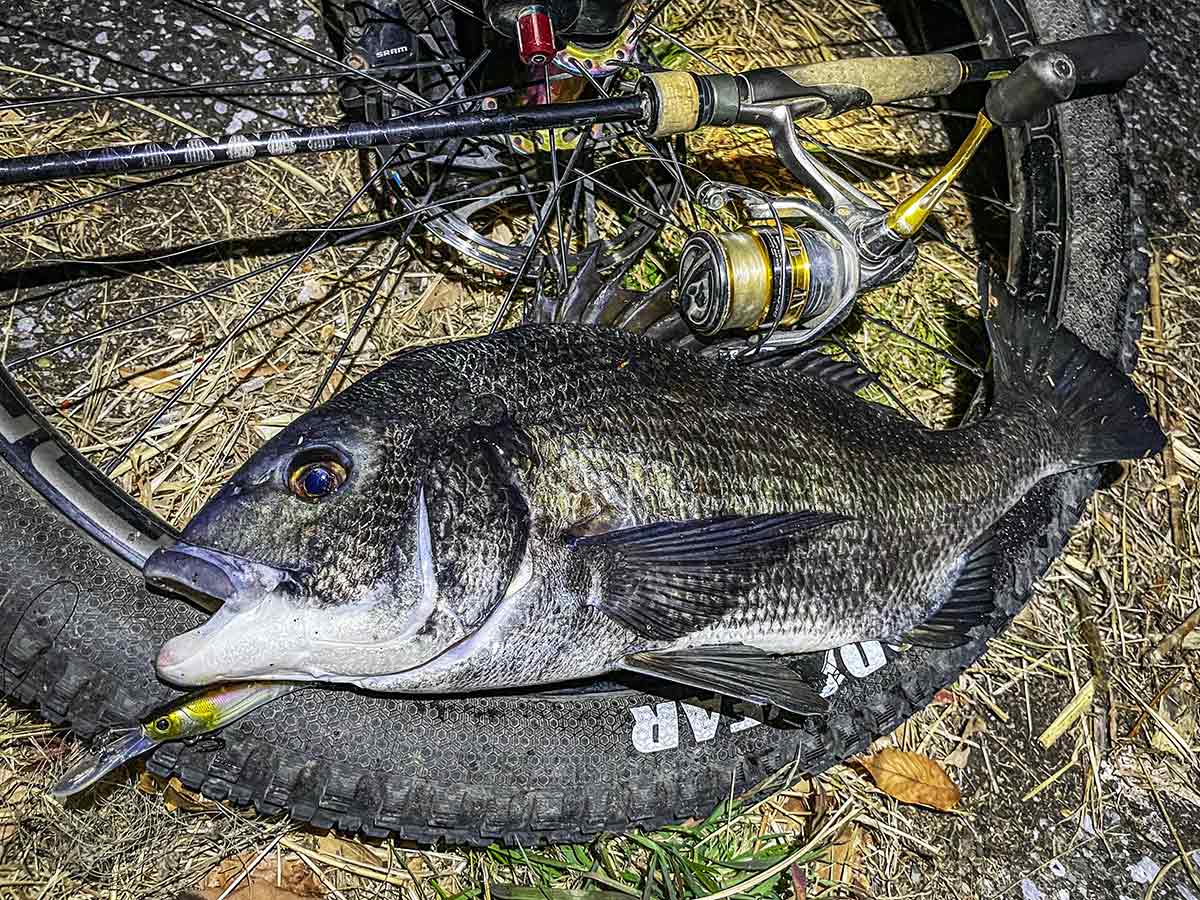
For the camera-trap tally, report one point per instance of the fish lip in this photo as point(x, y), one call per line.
point(206, 575)
point(181, 570)
point(183, 660)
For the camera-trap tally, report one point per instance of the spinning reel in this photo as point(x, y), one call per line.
point(798, 264)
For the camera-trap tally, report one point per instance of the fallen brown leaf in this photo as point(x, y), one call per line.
point(912, 778)
point(174, 795)
point(264, 369)
point(355, 851)
point(289, 879)
point(177, 798)
point(796, 805)
point(149, 784)
point(15, 795)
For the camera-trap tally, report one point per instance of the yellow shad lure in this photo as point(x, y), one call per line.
point(206, 711)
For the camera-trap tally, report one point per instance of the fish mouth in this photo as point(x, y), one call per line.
point(211, 577)
point(251, 593)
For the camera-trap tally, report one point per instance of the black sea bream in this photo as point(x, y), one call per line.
point(555, 502)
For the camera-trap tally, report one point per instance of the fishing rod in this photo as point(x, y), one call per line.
point(662, 104)
point(202, 151)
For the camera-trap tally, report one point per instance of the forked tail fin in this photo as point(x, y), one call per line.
point(1093, 407)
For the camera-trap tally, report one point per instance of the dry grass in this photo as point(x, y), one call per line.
point(1095, 631)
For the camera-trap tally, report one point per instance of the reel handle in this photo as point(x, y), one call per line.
point(1045, 79)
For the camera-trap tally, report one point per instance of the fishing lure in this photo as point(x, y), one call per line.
point(205, 711)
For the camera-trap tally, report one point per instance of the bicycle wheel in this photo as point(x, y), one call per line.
point(78, 632)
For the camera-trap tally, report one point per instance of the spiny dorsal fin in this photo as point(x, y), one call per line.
point(734, 670)
point(970, 602)
point(666, 580)
point(841, 373)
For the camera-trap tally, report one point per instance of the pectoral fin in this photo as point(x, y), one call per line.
point(734, 670)
point(665, 581)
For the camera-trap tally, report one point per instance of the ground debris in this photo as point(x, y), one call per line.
point(911, 778)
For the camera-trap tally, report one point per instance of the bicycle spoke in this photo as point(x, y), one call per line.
point(695, 54)
point(204, 88)
point(139, 70)
point(453, 4)
point(879, 382)
point(228, 339)
point(622, 195)
point(169, 362)
point(348, 235)
point(948, 113)
point(676, 170)
point(543, 220)
point(841, 154)
point(17, 365)
point(360, 315)
point(561, 259)
point(412, 223)
point(647, 21)
point(951, 358)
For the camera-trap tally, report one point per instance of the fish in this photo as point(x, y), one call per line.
point(558, 501)
point(199, 714)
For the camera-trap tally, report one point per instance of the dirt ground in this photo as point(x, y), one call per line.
point(1074, 741)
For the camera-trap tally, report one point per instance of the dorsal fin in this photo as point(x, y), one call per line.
point(847, 375)
point(596, 298)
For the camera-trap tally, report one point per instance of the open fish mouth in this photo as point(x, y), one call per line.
point(211, 577)
point(251, 593)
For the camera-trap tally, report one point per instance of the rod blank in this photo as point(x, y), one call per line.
point(202, 151)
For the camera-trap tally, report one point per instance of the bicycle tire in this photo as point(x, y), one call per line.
point(78, 632)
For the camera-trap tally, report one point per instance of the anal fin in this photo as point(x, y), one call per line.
point(971, 601)
point(734, 670)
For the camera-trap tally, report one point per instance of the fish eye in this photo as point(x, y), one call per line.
point(161, 725)
point(317, 478)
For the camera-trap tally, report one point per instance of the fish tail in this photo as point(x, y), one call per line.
point(1095, 412)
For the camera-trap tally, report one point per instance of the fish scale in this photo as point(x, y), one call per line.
point(557, 502)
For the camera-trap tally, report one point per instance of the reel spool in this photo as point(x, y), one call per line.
point(741, 280)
